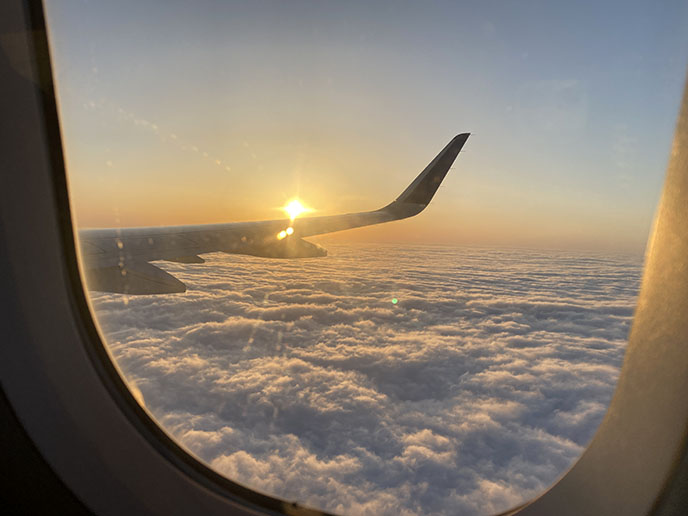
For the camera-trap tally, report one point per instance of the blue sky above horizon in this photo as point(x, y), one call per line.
point(187, 113)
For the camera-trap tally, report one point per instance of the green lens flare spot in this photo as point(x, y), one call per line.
point(394, 300)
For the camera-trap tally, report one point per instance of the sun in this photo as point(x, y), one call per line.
point(294, 208)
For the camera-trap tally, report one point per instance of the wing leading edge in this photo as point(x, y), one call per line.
point(116, 260)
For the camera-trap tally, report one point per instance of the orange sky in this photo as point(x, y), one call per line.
point(199, 120)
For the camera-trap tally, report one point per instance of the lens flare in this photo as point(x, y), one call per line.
point(285, 233)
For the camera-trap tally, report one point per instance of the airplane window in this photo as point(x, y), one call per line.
point(375, 258)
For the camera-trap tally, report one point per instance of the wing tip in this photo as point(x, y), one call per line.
point(421, 191)
point(459, 138)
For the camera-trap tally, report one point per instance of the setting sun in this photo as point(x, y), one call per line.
point(294, 208)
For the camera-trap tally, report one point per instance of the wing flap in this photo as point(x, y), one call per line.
point(133, 278)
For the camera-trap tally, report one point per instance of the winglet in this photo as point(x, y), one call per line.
point(420, 192)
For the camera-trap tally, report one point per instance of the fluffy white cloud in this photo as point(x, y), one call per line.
point(303, 380)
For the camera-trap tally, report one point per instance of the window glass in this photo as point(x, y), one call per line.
point(457, 361)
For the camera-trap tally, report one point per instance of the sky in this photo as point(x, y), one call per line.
point(303, 379)
point(198, 112)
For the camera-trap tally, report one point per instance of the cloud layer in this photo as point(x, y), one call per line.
point(302, 379)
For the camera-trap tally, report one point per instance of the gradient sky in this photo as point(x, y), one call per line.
point(197, 112)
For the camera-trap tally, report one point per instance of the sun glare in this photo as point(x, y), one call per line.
point(294, 208)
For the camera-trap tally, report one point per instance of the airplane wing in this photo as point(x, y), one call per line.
point(117, 259)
